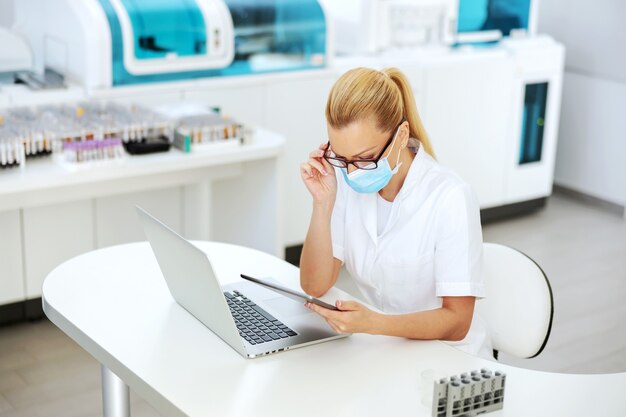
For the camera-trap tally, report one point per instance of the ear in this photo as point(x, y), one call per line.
point(405, 133)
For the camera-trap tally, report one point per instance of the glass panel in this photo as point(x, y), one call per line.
point(533, 121)
point(163, 27)
point(503, 15)
point(289, 27)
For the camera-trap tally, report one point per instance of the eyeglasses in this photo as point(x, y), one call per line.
point(339, 162)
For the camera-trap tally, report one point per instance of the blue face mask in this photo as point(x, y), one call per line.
point(372, 180)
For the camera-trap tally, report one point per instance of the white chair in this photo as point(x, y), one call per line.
point(519, 307)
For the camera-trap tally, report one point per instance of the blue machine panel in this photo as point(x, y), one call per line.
point(161, 27)
point(503, 15)
point(270, 36)
point(533, 122)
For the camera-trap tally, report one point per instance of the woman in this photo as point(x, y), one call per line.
point(407, 229)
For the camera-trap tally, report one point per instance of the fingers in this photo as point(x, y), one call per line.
point(329, 168)
point(312, 167)
point(324, 312)
point(334, 318)
point(318, 162)
point(348, 305)
point(318, 155)
point(306, 169)
point(319, 310)
point(317, 165)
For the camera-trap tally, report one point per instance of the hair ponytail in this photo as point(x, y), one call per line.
point(386, 96)
point(416, 127)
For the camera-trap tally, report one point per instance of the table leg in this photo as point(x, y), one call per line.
point(115, 395)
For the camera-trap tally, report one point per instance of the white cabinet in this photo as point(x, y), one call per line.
point(537, 84)
point(244, 209)
point(116, 217)
point(466, 110)
point(52, 235)
point(492, 114)
point(49, 216)
point(11, 273)
point(297, 112)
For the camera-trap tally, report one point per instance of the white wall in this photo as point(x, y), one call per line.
point(591, 157)
point(6, 13)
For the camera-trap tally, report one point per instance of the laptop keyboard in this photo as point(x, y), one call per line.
point(255, 324)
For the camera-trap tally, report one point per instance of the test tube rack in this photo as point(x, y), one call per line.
point(94, 132)
point(207, 131)
point(468, 395)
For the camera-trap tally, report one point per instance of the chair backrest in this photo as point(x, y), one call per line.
point(519, 306)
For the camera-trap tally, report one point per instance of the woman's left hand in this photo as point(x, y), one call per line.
point(353, 317)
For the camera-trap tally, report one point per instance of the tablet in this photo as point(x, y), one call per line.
point(289, 293)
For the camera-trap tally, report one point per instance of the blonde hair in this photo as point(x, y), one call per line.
point(386, 96)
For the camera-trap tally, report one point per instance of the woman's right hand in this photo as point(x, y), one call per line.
point(319, 177)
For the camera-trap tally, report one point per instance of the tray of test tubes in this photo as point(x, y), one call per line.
point(82, 134)
point(96, 133)
point(12, 152)
point(207, 132)
point(21, 137)
point(468, 395)
point(201, 128)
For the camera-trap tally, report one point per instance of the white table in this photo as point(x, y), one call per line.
point(115, 304)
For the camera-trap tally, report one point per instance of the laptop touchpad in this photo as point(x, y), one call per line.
point(286, 306)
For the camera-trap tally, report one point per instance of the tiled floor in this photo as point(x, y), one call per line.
point(581, 248)
point(44, 373)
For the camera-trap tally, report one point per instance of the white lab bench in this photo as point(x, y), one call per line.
point(49, 214)
point(151, 344)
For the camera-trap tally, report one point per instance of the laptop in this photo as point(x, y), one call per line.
point(251, 319)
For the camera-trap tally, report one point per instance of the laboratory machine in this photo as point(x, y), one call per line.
point(15, 55)
point(373, 26)
point(491, 20)
point(108, 43)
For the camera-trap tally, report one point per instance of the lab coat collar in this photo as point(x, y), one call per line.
point(367, 202)
point(414, 177)
point(416, 172)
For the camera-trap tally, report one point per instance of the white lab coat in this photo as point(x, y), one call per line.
point(431, 246)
